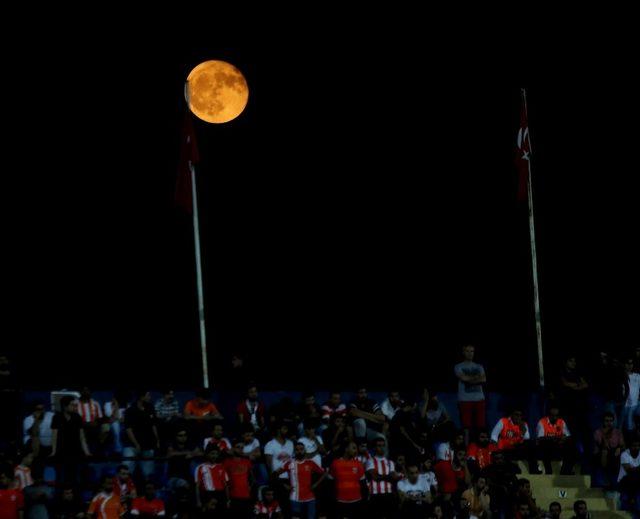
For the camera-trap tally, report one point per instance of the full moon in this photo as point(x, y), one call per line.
point(216, 91)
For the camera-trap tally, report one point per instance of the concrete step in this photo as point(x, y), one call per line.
point(566, 493)
point(539, 481)
point(597, 514)
point(594, 504)
point(555, 467)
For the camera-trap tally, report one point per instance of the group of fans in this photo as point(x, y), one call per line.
point(401, 458)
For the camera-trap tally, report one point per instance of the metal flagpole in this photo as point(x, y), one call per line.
point(196, 242)
point(534, 255)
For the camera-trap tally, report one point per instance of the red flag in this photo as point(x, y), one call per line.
point(188, 157)
point(523, 152)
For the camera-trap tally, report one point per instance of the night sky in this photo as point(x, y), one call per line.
point(359, 220)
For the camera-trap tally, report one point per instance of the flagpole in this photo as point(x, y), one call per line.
point(534, 255)
point(196, 243)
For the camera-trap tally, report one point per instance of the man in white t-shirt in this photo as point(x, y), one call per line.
point(278, 451)
point(37, 428)
point(631, 407)
point(313, 444)
point(414, 493)
point(629, 477)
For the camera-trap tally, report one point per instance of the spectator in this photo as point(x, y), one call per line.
point(331, 407)
point(446, 450)
point(149, 505)
point(391, 404)
point(471, 401)
point(211, 508)
point(277, 452)
point(106, 505)
point(363, 453)
point(167, 413)
point(555, 511)
point(629, 478)
point(608, 383)
point(367, 417)
point(89, 410)
point(68, 506)
point(312, 442)
point(401, 465)
point(250, 444)
point(38, 497)
point(502, 483)
point(554, 442)
point(212, 477)
point(142, 440)
point(114, 411)
point(68, 441)
point(573, 398)
point(201, 408)
point(217, 438)
point(454, 475)
point(285, 412)
point(240, 481)
point(337, 434)
point(512, 436)
point(308, 411)
point(22, 472)
point(580, 510)
point(382, 476)
point(403, 432)
point(37, 430)
point(268, 507)
point(632, 393)
point(433, 415)
point(180, 454)
point(524, 494)
point(350, 484)
point(479, 453)
point(429, 476)
point(478, 499)
point(414, 494)
point(523, 510)
point(123, 485)
point(251, 410)
point(608, 446)
point(300, 471)
point(11, 499)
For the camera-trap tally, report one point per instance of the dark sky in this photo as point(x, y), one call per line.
point(359, 217)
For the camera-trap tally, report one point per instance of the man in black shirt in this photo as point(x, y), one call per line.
point(368, 420)
point(142, 440)
point(68, 441)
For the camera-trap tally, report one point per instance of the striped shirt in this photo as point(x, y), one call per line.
point(22, 477)
point(383, 467)
point(89, 411)
point(301, 479)
point(211, 477)
point(263, 508)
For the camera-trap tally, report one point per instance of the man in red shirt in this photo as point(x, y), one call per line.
point(240, 481)
point(11, 500)
point(251, 410)
point(350, 484)
point(148, 506)
point(301, 471)
point(479, 452)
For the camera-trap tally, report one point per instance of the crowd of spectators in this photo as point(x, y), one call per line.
point(344, 458)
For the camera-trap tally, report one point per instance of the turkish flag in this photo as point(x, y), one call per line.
point(188, 157)
point(523, 153)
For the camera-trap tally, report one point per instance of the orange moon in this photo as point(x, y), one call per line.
point(216, 91)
